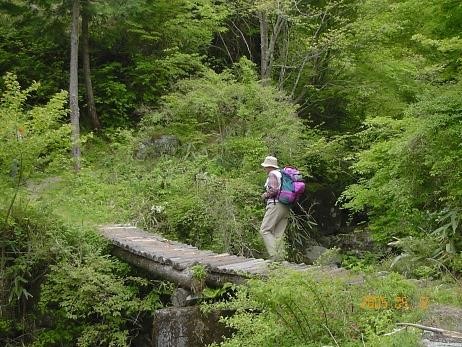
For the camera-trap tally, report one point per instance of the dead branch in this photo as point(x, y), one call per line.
point(227, 50)
point(244, 39)
point(395, 331)
point(445, 332)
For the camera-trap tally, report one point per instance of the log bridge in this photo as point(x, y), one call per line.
point(174, 261)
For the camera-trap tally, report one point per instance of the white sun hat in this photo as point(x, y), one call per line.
point(270, 162)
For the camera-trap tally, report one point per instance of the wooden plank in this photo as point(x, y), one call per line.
point(257, 270)
point(151, 244)
point(210, 262)
point(111, 228)
point(261, 271)
point(132, 232)
point(181, 256)
point(243, 265)
point(178, 256)
point(216, 260)
point(220, 263)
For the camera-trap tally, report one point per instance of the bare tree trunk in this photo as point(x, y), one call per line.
point(268, 45)
point(87, 72)
point(284, 56)
point(272, 44)
point(73, 84)
point(263, 18)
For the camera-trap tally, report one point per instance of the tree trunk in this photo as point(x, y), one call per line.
point(264, 47)
point(73, 84)
point(87, 72)
point(284, 55)
point(268, 44)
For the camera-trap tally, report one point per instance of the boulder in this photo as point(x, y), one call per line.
point(182, 297)
point(314, 252)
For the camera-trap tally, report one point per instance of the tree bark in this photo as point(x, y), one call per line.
point(87, 72)
point(263, 18)
point(268, 45)
point(284, 55)
point(73, 85)
point(272, 44)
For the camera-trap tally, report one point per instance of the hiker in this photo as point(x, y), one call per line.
point(276, 216)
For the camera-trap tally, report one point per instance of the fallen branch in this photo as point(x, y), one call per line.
point(447, 333)
point(395, 331)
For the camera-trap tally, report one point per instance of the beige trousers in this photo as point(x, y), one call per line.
point(272, 229)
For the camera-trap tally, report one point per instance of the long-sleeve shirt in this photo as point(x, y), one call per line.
point(273, 186)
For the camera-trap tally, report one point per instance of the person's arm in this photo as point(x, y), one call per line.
point(272, 189)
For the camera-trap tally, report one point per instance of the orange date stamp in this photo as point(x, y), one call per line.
point(399, 302)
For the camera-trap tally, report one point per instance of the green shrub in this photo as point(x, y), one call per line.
point(231, 114)
point(93, 301)
point(303, 309)
point(114, 99)
point(424, 257)
point(364, 262)
point(32, 240)
point(85, 297)
point(30, 138)
point(191, 204)
point(153, 76)
point(410, 181)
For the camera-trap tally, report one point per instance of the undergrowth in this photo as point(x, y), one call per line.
point(303, 309)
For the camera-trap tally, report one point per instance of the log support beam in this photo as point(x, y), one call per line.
point(183, 278)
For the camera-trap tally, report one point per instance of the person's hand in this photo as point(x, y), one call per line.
point(263, 196)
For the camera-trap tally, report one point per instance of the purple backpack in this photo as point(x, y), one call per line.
point(292, 185)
